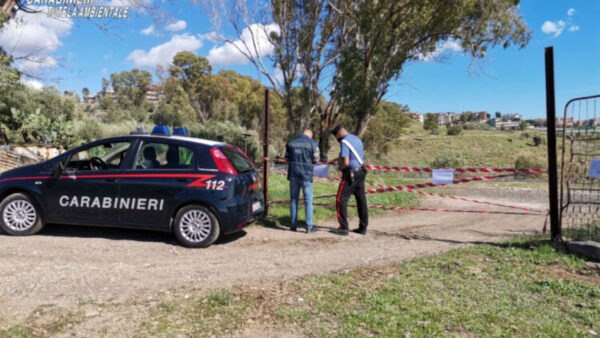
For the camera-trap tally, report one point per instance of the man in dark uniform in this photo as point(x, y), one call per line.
point(351, 163)
point(301, 154)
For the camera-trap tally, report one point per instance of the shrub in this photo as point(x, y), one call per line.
point(537, 140)
point(448, 158)
point(524, 162)
point(453, 130)
point(228, 132)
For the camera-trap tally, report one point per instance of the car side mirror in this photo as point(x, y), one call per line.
point(58, 170)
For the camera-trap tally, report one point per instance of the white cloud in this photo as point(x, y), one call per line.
point(176, 26)
point(255, 35)
point(163, 54)
point(33, 84)
point(148, 30)
point(554, 28)
point(442, 48)
point(32, 38)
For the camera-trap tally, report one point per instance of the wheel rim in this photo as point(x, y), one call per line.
point(195, 225)
point(19, 215)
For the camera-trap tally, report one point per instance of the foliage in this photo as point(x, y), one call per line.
point(453, 130)
point(430, 123)
point(230, 133)
point(360, 45)
point(448, 158)
point(9, 76)
point(523, 125)
point(386, 127)
point(524, 162)
point(537, 140)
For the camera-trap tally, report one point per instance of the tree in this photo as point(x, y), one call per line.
point(85, 92)
point(430, 122)
point(523, 125)
point(386, 127)
point(350, 50)
point(193, 72)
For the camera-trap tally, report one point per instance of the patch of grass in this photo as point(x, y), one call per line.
point(219, 313)
point(16, 331)
point(518, 288)
point(324, 208)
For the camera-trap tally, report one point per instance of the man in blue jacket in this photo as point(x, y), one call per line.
point(301, 154)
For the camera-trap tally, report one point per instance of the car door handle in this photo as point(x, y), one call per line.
point(111, 180)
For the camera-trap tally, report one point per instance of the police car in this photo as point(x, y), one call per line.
point(195, 188)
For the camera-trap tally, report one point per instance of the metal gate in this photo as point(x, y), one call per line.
point(579, 190)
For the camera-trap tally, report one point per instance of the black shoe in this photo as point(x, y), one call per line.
point(340, 231)
point(360, 231)
point(313, 229)
point(293, 229)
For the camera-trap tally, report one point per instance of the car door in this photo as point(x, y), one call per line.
point(87, 190)
point(161, 171)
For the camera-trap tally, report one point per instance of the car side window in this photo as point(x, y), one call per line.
point(105, 156)
point(163, 156)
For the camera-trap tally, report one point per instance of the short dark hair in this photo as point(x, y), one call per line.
point(336, 129)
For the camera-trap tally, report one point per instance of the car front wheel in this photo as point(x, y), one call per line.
point(196, 226)
point(20, 216)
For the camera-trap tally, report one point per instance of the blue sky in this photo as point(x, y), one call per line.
point(75, 53)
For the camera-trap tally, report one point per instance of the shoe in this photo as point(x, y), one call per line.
point(313, 229)
point(340, 231)
point(360, 231)
point(293, 229)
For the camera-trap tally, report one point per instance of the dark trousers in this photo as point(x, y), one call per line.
point(352, 186)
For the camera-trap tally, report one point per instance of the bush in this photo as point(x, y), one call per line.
point(528, 163)
point(448, 159)
point(228, 132)
point(453, 130)
point(537, 140)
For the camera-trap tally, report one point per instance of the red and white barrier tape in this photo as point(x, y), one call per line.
point(393, 208)
point(459, 170)
point(471, 200)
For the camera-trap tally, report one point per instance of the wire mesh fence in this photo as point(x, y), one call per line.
point(580, 184)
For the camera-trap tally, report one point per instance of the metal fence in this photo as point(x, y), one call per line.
point(579, 189)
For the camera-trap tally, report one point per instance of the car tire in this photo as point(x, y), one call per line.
point(20, 216)
point(196, 226)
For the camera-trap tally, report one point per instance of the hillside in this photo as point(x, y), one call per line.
point(474, 148)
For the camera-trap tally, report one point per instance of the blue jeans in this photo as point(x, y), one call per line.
point(307, 191)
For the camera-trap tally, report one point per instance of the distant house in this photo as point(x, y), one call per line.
point(416, 116)
point(564, 123)
point(154, 95)
point(500, 123)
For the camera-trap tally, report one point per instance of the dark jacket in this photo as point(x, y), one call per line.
point(301, 153)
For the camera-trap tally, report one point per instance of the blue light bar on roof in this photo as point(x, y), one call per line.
point(161, 130)
point(181, 131)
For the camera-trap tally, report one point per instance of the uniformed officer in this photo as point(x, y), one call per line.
point(351, 163)
point(301, 154)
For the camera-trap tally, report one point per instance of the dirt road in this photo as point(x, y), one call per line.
point(65, 268)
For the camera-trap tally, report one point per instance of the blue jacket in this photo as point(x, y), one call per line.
point(301, 153)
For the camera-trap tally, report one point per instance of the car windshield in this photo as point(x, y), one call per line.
point(240, 161)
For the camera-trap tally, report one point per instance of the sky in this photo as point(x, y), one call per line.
point(76, 53)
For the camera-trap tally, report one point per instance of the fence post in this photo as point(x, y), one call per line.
point(266, 155)
point(551, 135)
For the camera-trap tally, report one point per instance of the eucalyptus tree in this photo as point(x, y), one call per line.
point(349, 51)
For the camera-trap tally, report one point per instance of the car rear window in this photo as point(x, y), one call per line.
point(240, 161)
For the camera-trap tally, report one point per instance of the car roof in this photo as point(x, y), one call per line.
point(185, 139)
